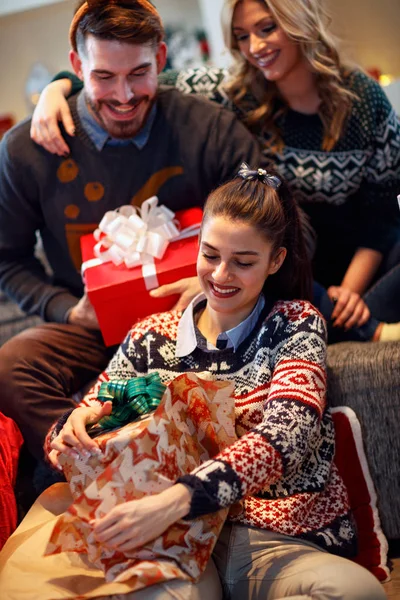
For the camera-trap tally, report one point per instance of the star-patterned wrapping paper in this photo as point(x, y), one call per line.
point(194, 421)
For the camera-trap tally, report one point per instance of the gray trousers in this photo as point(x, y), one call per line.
point(254, 564)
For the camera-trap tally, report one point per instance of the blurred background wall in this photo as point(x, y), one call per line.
point(35, 33)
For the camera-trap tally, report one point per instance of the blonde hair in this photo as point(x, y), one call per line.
point(306, 23)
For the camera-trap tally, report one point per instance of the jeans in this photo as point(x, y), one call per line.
point(382, 299)
point(257, 564)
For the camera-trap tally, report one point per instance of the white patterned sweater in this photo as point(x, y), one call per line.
point(281, 466)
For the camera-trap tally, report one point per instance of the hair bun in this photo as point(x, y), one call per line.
point(258, 174)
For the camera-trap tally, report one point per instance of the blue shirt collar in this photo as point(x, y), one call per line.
point(186, 337)
point(100, 136)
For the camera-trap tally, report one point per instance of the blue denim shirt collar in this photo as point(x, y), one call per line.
point(186, 337)
point(100, 137)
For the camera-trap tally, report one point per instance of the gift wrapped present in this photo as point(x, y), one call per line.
point(193, 422)
point(130, 254)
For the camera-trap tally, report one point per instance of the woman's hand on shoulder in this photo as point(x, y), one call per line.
point(350, 309)
point(73, 439)
point(51, 108)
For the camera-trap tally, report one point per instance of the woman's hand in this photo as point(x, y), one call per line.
point(350, 309)
point(187, 288)
point(73, 439)
point(51, 108)
point(133, 524)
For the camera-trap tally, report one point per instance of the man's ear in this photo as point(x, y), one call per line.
point(161, 56)
point(277, 261)
point(76, 63)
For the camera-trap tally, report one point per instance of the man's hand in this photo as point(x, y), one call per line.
point(350, 309)
point(73, 439)
point(132, 524)
point(51, 108)
point(83, 314)
point(187, 288)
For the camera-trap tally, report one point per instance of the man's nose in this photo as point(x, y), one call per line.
point(124, 92)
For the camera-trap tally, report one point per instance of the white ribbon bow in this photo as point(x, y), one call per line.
point(137, 240)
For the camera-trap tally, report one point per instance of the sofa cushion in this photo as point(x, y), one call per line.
point(366, 377)
point(352, 464)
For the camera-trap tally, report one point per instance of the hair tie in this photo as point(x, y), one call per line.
point(260, 174)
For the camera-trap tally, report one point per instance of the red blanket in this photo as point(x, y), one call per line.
point(10, 444)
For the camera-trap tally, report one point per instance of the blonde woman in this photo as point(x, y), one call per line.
point(330, 131)
point(328, 128)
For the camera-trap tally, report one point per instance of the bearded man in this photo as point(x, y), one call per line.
point(133, 139)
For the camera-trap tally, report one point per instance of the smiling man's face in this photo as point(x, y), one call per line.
point(120, 82)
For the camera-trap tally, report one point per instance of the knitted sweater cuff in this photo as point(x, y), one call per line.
point(202, 502)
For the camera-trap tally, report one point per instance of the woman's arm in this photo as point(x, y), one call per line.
point(361, 270)
point(132, 524)
point(291, 421)
point(51, 108)
point(68, 435)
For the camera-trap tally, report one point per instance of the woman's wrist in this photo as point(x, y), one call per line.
point(361, 270)
point(63, 86)
point(180, 498)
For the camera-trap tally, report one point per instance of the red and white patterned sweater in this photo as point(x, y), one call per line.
point(281, 467)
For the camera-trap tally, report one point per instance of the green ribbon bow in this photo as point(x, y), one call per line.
point(131, 398)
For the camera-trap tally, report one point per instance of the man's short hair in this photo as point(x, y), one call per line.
point(128, 21)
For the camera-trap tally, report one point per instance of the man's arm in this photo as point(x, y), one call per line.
point(22, 276)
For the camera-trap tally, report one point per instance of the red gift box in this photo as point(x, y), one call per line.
point(119, 295)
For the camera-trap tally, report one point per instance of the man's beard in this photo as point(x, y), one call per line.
point(119, 129)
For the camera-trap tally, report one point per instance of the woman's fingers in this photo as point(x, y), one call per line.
point(73, 440)
point(67, 121)
point(354, 318)
point(108, 525)
point(66, 442)
point(124, 541)
point(366, 315)
point(79, 434)
point(340, 300)
point(347, 309)
point(47, 133)
point(53, 458)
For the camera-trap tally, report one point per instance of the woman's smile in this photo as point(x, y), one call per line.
point(223, 291)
